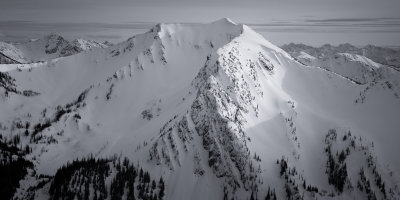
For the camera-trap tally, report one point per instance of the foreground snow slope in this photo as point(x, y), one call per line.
point(215, 109)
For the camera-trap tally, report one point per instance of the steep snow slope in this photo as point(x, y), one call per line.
point(46, 48)
point(214, 109)
point(9, 54)
point(356, 68)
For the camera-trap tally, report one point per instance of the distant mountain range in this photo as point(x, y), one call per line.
point(382, 55)
point(43, 49)
point(198, 111)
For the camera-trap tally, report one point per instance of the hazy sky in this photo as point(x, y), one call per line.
point(280, 21)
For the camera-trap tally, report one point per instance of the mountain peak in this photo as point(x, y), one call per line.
point(225, 21)
point(53, 36)
point(212, 110)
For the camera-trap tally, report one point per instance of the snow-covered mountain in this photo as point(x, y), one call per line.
point(382, 55)
point(49, 47)
point(200, 111)
point(357, 68)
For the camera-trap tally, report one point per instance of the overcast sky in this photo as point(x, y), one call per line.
point(313, 22)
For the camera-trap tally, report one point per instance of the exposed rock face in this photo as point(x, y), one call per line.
point(222, 96)
point(214, 109)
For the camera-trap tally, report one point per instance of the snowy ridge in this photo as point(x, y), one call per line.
point(49, 47)
point(357, 68)
point(382, 55)
point(214, 109)
point(225, 88)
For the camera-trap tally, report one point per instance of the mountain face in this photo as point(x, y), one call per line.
point(359, 69)
point(46, 48)
point(199, 111)
point(386, 56)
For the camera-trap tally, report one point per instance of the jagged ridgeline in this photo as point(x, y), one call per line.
point(383, 55)
point(200, 111)
point(46, 48)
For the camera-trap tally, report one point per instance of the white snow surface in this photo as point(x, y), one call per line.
point(43, 49)
point(217, 88)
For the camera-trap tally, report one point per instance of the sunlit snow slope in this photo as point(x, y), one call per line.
point(216, 110)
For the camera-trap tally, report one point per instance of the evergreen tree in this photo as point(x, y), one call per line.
point(252, 196)
point(268, 197)
point(162, 188)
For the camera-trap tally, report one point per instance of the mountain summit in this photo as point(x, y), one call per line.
point(200, 111)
